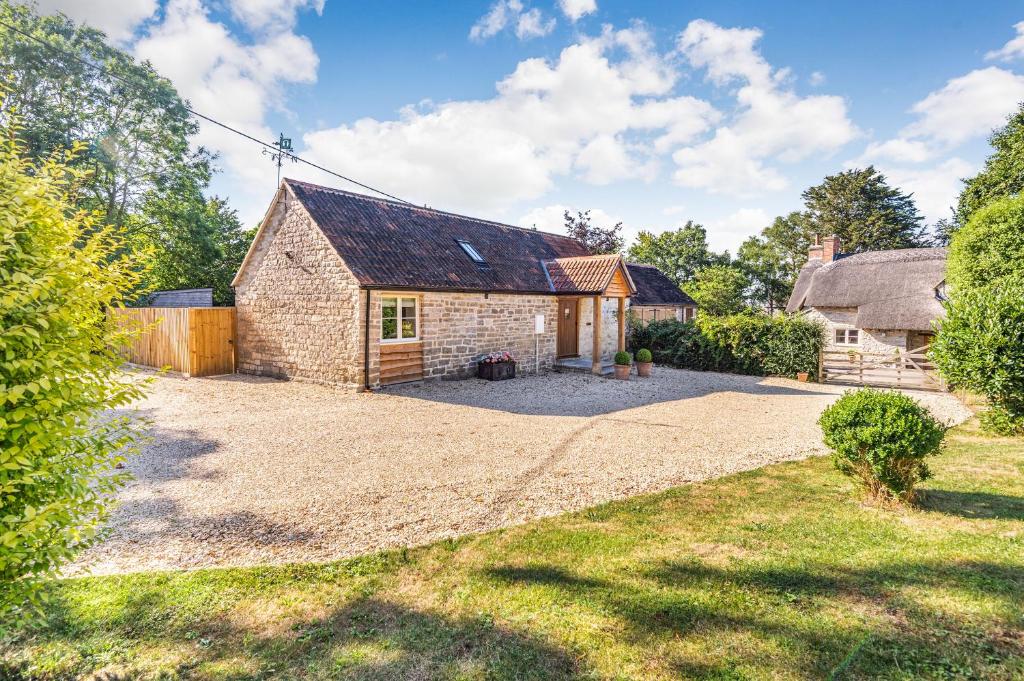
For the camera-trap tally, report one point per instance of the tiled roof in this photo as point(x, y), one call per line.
point(388, 244)
point(589, 274)
point(654, 288)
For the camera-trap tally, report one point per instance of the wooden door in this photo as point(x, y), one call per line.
point(568, 327)
point(212, 340)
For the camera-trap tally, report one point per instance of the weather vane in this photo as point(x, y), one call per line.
point(284, 150)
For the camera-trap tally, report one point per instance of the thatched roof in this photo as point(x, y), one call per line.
point(893, 290)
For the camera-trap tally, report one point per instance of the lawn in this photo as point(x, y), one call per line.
point(777, 573)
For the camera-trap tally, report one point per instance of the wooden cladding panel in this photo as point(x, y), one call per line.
point(193, 341)
point(618, 287)
point(400, 362)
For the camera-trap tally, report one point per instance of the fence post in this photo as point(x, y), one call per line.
point(821, 364)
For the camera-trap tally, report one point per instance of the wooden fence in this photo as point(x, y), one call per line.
point(909, 369)
point(197, 341)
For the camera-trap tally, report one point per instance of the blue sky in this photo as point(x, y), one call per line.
point(651, 113)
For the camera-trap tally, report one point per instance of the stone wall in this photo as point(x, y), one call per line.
point(298, 305)
point(456, 329)
point(871, 340)
point(650, 313)
point(609, 326)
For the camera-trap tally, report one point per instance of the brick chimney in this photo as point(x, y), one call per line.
point(831, 247)
point(816, 250)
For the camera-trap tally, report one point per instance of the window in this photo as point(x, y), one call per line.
point(398, 320)
point(472, 252)
point(847, 336)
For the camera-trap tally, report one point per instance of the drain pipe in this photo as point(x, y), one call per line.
point(366, 346)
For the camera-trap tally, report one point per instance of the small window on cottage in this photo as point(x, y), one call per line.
point(398, 320)
point(472, 252)
point(847, 336)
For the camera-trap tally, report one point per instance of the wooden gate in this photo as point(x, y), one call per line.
point(197, 341)
point(910, 369)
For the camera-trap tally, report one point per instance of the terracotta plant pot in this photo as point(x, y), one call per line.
point(644, 368)
point(801, 376)
point(622, 372)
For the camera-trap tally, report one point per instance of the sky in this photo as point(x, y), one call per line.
point(649, 113)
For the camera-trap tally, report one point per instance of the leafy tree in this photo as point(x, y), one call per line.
point(135, 126)
point(679, 253)
point(597, 240)
point(770, 283)
point(980, 347)
point(61, 269)
point(1003, 174)
point(990, 246)
point(790, 236)
point(862, 209)
point(718, 290)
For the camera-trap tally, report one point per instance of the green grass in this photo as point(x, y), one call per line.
point(778, 573)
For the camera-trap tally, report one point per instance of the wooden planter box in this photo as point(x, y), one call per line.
point(496, 371)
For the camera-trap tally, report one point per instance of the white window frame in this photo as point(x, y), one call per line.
point(846, 336)
point(398, 319)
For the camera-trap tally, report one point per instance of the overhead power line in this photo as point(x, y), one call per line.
point(267, 145)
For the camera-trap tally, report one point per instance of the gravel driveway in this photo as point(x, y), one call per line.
point(245, 470)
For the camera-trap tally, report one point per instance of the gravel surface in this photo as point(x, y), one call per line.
point(244, 470)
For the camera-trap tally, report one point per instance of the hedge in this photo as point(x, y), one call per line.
point(756, 345)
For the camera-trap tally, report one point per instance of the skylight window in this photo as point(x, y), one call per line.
point(472, 252)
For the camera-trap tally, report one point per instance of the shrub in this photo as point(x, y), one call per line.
point(643, 355)
point(60, 270)
point(623, 358)
point(989, 247)
point(882, 438)
point(758, 345)
point(980, 347)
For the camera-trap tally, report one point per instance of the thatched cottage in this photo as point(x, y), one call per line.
point(657, 297)
point(352, 290)
point(876, 301)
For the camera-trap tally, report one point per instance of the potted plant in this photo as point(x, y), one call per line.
point(623, 361)
point(802, 376)
point(497, 366)
point(644, 362)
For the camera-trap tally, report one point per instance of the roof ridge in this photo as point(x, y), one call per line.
point(413, 206)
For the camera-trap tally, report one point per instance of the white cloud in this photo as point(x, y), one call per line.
point(532, 24)
point(511, 13)
point(603, 109)
point(733, 229)
point(576, 9)
point(673, 210)
point(935, 189)
point(772, 123)
point(1014, 49)
point(272, 14)
point(552, 218)
point(117, 18)
point(817, 78)
point(233, 81)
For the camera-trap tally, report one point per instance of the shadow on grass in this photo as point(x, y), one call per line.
point(973, 505)
point(782, 608)
point(367, 638)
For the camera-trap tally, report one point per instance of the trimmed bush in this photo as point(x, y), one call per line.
point(989, 247)
point(643, 355)
point(882, 438)
point(756, 345)
point(623, 358)
point(980, 347)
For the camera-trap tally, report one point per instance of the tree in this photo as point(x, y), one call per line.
point(770, 283)
point(136, 128)
point(980, 347)
point(61, 269)
point(790, 236)
point(1003, 174)
point(862, 209)
point(990, 246)
point(597, 240)
point(678, 253)
point(718, 290)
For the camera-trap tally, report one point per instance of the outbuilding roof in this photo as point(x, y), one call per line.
point(388, 244)
point(653, 287)
point(896, 289)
